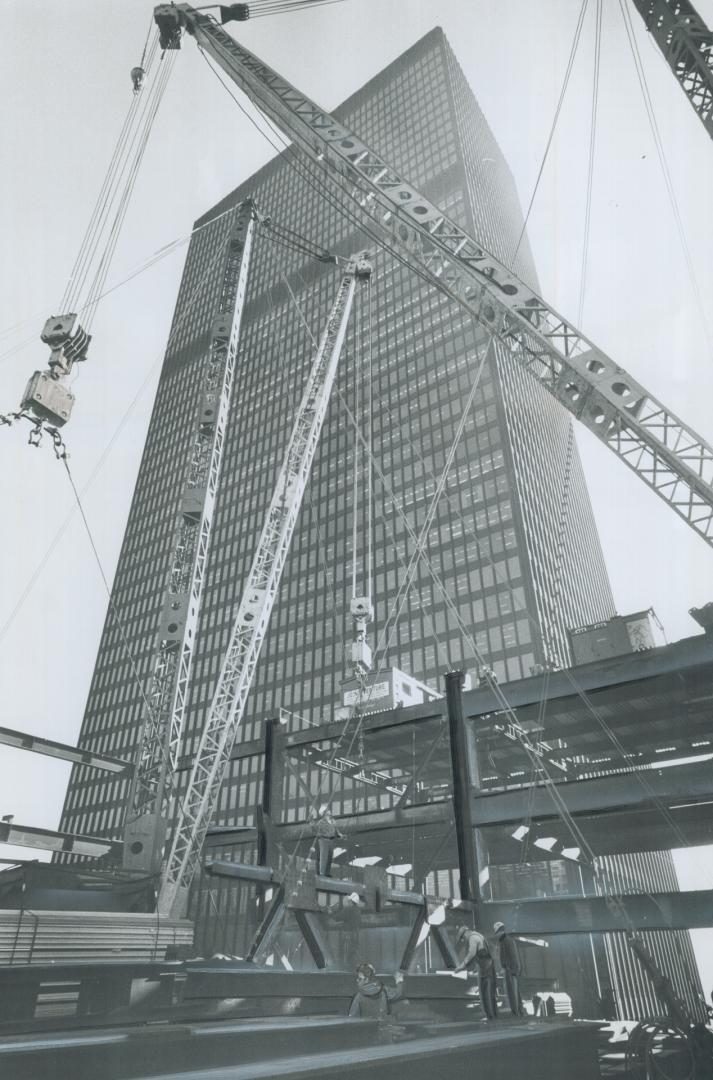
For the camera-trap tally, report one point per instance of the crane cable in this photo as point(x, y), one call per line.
point(387, 634)
point(666, 172)
point(87, 279)
point(548, 144)
point(262, 8)
point(590, 168)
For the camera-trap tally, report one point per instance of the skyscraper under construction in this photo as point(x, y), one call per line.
point(513, 542)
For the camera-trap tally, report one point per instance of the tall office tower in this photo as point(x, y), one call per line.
point(513, 540)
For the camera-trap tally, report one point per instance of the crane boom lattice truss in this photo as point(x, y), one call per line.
point(226, 711)
point(687, 47)
point(167, 690)
point(659, 447)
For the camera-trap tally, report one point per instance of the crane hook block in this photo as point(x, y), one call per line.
point(168, 20)
point(68, 342)
point(137, 78)
point(234, 13)
point(48, 398)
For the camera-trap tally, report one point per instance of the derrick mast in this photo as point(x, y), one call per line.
point(167, 690)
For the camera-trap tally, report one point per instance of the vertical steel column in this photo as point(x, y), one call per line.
point(467, 862)
point(265, 809)
point(268, 791)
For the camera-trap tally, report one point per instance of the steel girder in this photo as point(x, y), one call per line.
point(603, 914)
point(22, 741)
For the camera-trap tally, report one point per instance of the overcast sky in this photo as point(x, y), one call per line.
point(64, 84)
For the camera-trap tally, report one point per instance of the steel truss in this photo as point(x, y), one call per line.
point(687, 47)
point(226, 711)
point(165, 703)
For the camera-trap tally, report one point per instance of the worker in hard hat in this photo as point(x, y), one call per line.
point(479, 957)
point(510, 962)
point(372, 999)
point(326, 833)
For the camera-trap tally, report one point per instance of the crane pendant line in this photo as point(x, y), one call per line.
point(250, 625)
point(167, 690)
point(647, 436)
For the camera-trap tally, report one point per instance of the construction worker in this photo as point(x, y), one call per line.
point(326, 832)
point(509, 956)
point(372, 999)
point(478, 956)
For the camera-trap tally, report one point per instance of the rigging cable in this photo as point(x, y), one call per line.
point(285, 7)
point(112, 605)
point(590, 169)
point(387, 633)
point(563, 91)
point(107, 195)
point(668, 180)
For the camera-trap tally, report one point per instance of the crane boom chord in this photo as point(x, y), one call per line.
point(687, 47)
point(250, 625)
point(167, 693)
point(648, 437)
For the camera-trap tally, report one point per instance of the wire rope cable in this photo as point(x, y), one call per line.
point(665, 170)
point(553, 126)
point(590, 167)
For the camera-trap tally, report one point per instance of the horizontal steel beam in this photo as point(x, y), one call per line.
point(265, 875)
point(679, 783)
point(603, 914)
point(615, 833)
point(48, 840)
point(424, 814)
point(681, 658)
point(22, 741)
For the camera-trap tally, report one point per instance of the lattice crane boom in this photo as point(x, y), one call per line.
point(251, 621)
point(167, 689)
point(687, 47)
point(647, 436)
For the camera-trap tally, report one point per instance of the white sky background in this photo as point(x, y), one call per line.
point(65, 88)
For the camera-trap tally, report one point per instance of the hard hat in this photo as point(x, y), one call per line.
point(498, 927)
point(461, 932)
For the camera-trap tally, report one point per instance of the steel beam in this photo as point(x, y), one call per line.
point(338, 886)
point(462, 801)
point(270, 925)
point(22, 741)
point(50, 840)
point(413, 939)
point(316, 942)
point(615, 833)
point(630, 790)
point(604, 914)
